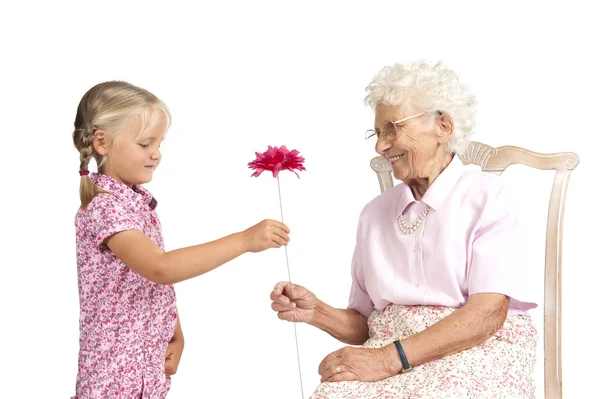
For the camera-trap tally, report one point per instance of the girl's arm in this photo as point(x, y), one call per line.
point(144, 257)
point(178, 335)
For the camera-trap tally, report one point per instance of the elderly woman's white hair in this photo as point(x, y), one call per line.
point(423, 87)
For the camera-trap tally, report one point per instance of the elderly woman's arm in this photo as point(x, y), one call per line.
point(481, 317)
point(301, 305)
point(346, 325)
point(472, 324)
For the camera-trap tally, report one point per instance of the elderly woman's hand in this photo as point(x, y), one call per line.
point(358, 364)
point(297, 303)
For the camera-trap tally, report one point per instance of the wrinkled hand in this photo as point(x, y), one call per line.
point(357, 364)
point(172, 357)
point(266, 234)
point(298, 302)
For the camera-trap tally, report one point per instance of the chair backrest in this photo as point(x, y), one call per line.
point(496, 160)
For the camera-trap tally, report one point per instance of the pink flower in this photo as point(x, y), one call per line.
point(276, 159)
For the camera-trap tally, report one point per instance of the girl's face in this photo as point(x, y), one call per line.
point(133, 158)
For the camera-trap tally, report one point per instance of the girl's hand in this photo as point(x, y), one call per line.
point(172, 357)
point(266, 234)
point(297, 304)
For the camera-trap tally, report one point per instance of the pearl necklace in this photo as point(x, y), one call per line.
point(411, 228)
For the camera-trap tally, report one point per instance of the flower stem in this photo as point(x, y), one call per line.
point(291, 296)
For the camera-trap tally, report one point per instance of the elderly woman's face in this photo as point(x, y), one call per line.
point(416, 150)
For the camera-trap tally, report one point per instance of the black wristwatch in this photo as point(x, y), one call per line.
point(405, 366)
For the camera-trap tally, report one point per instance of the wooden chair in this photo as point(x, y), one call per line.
point(496, 160)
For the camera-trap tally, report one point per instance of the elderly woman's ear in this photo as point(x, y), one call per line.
point(445, 126)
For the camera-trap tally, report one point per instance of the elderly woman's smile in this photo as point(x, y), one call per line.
point(394, 158)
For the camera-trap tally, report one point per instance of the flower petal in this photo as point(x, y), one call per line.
point(276, 159)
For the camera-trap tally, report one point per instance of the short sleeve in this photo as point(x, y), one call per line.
point(499, 263)
point(109, 216)
point(359, 298)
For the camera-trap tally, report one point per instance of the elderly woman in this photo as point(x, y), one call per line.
point(438, 305)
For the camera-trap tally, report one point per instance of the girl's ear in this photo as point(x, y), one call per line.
point(101, 142)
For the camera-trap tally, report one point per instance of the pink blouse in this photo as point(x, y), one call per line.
point(470, 242)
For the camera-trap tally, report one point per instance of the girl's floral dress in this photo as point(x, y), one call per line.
point(126, 321)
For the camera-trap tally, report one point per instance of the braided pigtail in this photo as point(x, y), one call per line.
point(83, 140)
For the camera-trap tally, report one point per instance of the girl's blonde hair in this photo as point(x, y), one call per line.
point(111, 106)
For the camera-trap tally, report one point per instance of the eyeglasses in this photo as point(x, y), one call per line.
point(388, 130)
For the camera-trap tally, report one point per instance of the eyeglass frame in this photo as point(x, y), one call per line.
point(394, 123)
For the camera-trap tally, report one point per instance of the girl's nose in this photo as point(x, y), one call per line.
point(155, 155)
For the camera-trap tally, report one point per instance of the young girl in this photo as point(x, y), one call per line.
point(130, 333)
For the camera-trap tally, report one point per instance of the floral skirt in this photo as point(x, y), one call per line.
point(501, 367)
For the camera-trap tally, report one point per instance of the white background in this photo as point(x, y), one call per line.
point(239, 76)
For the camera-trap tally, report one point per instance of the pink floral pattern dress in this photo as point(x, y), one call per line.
point(499, 368)
point(126, 321)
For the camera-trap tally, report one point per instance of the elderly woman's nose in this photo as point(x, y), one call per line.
point(382, 146)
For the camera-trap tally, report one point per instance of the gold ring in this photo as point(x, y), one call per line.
point(338, 369)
